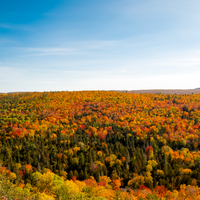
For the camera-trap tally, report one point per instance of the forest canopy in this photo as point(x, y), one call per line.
point(101, 144)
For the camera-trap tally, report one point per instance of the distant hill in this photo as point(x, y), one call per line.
point(178, 91)
point(12, 92)
point(163, 91)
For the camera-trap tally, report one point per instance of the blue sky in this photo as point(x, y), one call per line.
point(55, 45)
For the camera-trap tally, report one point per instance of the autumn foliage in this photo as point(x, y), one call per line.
point(102, 143)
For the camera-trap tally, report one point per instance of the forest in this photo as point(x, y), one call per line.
point(99, 145)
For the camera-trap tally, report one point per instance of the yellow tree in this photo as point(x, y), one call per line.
point(45, 183)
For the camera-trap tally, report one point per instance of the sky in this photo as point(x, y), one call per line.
point(70, 45)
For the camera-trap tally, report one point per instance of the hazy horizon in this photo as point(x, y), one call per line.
point(167, 91)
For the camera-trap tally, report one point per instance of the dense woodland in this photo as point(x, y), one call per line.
point(100, 145)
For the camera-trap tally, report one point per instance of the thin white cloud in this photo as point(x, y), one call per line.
point(96, 44)
point(7, 26)
point(45, 51)
point(144, 8)
point(78, 71)
point(81, 47)
point(6, 41)
point(15, 26)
